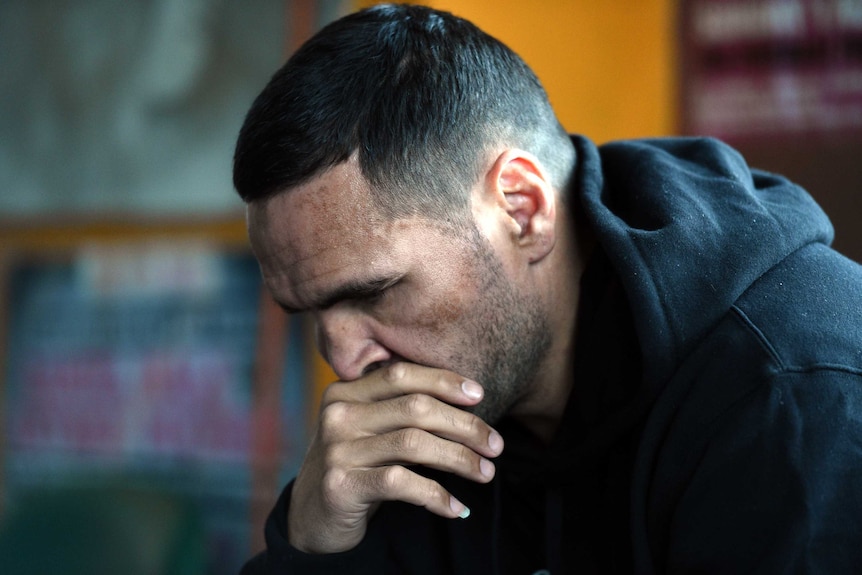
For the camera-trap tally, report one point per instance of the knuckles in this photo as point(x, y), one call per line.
point(331, 394)
point(408, 440)
point(394, 373)
point(418, 407)
point(473, 426)
point(333, 485)
point(333, 457)
point(391, 478)
point(463, 458)
point(334, 415)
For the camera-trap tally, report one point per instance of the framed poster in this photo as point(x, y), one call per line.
point(771, 68)
point(137, 367)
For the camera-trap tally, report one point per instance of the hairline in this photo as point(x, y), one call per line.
point(454, 219)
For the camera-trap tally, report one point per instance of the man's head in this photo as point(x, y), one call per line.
point(402, 173)
point(419, 96)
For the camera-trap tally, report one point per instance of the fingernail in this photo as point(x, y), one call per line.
point(495, 442)
point(462, 510)
point(486, 467)
point(471, 389)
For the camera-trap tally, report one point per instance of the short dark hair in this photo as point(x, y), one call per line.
point(419, 95)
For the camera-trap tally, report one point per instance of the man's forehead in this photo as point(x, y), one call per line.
point(305, 248)
point(300, 269)
point(327, 212)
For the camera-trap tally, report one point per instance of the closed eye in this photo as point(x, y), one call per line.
point(366, 292)
point(376, 295)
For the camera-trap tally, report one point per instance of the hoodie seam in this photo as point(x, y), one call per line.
point(773, 353)
point(759, 336)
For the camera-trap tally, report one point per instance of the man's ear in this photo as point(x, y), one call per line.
point(521, 186)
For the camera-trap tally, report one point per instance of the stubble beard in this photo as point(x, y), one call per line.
point(510, 337)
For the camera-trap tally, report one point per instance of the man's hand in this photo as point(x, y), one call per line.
point(370, 429)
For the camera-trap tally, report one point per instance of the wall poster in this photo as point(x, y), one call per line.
point(133, 365)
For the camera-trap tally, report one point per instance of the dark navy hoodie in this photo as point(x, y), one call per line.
point(715, 425)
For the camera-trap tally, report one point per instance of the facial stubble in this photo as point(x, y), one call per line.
point(508, 335)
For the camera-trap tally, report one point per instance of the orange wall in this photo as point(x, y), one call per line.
point(608, 65)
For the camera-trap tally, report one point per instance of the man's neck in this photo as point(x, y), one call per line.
point(542, 410)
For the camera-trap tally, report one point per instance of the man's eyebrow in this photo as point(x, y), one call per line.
point(351, 290)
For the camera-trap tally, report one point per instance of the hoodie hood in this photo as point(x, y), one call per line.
point(683, 223)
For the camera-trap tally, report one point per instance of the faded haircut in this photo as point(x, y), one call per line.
point(418, 95)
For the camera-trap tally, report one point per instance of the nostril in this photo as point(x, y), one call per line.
point(393, 358)
point(373, 366)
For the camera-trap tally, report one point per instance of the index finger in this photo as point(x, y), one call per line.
point(403, 378)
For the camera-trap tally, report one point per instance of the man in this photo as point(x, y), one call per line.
point(641, 358)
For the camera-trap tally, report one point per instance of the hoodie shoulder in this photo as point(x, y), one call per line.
point(688, 226)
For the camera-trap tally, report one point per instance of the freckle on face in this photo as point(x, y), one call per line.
point(442, 313)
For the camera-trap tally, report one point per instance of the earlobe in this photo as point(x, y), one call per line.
point(529, 200)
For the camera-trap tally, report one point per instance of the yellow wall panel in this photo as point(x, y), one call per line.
point(608, 65)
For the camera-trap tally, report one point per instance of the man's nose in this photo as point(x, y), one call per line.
point(348, 342)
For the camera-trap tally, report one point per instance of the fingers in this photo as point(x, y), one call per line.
point(412, 446)
point(402, 395)
point(397, 483)
point(369, 432)
point(413, 411)
point(406, 378)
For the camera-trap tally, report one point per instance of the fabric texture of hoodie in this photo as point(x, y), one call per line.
point(715, 424)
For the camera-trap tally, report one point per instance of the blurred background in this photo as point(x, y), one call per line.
point(152, 400)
